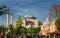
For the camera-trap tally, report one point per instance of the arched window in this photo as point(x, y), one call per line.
point(30, 23)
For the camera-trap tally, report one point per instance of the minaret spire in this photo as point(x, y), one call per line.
point(48, 17)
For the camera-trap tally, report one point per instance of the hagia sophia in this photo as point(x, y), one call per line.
point(47, 26)
point(32, 21)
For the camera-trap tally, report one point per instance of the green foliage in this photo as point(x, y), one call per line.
point(24, 30)
point(18, 28)
point(4, 10)
point(2, 29)
point(58, 23)
point(33, 30)
point(19, 21)
point(2, 7)
point(1, 12)
point(29, 30)
point(36, 30)
point(11, 28)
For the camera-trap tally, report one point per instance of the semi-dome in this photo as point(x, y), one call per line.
point(29, 17)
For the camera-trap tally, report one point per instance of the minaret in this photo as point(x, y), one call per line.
point(48, 17)
point(7, 19)
point(46, 25)
point(10, 18)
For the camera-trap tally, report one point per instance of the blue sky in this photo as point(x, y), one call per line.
point(38, 8)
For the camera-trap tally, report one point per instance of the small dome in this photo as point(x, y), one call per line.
point(29, 17)
point(47, 22)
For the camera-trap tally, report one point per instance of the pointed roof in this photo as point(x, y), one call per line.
point(48, 17)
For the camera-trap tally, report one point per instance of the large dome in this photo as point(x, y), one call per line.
point(29, 17)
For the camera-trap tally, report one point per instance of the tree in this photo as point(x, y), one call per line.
point(19, 21)
point(24, 30)
point(55, 10)
point(2, 29)
point(56, 14)
point(36, 30)
point(33, 30)
point(10, 28)
point(58, 23)
point(4, 10)
point(18, 28)
point(29, 30)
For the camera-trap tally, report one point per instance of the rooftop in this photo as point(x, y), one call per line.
point(29, 17)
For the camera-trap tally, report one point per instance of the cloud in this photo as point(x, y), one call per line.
point(26, 11)
point(17, 8)
point(57, 0)
point(4, 0)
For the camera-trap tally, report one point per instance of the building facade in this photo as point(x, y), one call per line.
point(45, 27)
point(48, 27)
point(30, 20)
